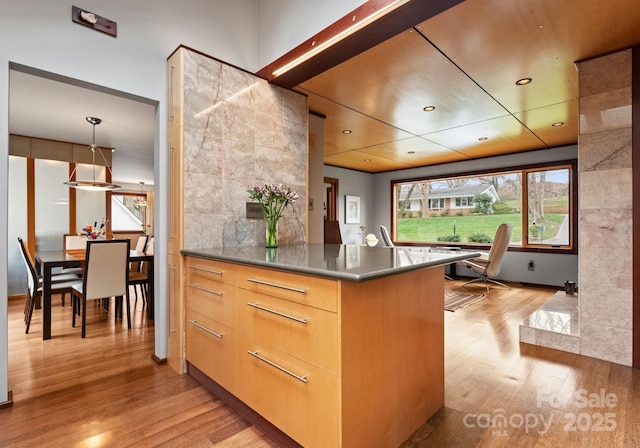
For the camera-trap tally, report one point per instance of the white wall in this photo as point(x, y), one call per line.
point(550, 269)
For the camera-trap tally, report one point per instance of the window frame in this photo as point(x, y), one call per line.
point(571, 164)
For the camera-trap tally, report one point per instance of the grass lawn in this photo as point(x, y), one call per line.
point(429, 229)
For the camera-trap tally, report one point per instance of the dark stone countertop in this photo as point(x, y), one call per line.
point(336, 261)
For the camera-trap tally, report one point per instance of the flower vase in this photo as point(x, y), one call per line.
point(272, 233)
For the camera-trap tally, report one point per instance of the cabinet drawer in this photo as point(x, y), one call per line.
point(308, 333)
point(217, 301)
point(313, 291)
point(305, 408)
point(212, 348)
point(200, 270)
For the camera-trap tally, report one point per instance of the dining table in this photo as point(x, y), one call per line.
point(48, 260)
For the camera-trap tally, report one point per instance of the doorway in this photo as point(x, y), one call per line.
point(332, 233)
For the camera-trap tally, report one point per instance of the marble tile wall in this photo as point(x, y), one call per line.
point(239, 131)
point(605, 208)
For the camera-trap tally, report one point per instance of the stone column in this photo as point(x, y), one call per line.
point(605, 208)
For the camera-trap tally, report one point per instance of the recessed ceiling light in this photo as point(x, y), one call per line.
point(523, 81)
point(429, 108)
point(482, 139)
point(367, 160)
point(346, 131)
point(557, 124)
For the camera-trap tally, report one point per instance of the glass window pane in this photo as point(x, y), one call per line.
point(464, 210)
point(126, 215)
point(91, 206)
point(548, 207)
point(51, 203)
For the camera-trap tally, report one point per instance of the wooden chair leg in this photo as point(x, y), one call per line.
point(84, 317)
point(29, 308)
point(74, 309)
point(128, 312)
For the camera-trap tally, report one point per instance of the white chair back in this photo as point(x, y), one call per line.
point(142, 243)
point(498, 249)
point(386, 238)
point(32, 274)
point(106, 268)
point(150, 248)
point(74, 242)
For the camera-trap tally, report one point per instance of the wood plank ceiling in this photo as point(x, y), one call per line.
point(465, 61)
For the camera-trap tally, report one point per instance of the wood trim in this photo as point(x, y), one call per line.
point(573, 204)
point(9, 402)
point(332, 198)
point(241, 408)
point(158, 360)
point(72, 201)
point(635, 167)
point(31, 206)
point(397, 21)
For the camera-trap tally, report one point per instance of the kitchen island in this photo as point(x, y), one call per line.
point(334, 345)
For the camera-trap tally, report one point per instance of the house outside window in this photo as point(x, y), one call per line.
point(539, 201)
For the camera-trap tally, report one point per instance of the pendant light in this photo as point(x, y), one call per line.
point(139, 202)
point(93, 184)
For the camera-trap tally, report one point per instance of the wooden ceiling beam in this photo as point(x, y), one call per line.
point(389, 25)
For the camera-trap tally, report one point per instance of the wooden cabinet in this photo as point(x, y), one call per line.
point(298, 398)
point(211, 347)
point(329, 362)
point(308, 333)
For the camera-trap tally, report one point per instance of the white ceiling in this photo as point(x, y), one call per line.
point(56, 109)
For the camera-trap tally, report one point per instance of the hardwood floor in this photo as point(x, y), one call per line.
point(106, 391)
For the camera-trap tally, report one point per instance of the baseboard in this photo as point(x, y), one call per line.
point(157, 360)
point(241, 408)
point(9, 403)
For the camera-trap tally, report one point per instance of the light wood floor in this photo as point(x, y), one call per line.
point(106, 391)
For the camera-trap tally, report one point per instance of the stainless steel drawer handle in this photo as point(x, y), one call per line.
point(273, 364)
point(202, 327)
point(196, 286)
point(288, 288)
point(297, 319)
point(198, 268)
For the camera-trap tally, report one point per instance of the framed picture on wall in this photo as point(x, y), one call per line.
point(351, 209)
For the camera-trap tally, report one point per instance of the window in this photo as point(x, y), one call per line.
point(467, 209)
point(126, 214)
point(464, 202)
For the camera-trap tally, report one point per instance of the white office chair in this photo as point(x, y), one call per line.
point(386, 238)
point(106, 275)
point(488, 266)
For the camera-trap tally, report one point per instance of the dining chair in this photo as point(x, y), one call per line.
point(61, 284)
point(136, 266)
point(332, 233)
point(106, 275)
point(140, 277)
point(73, 242)
point(141, 244)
